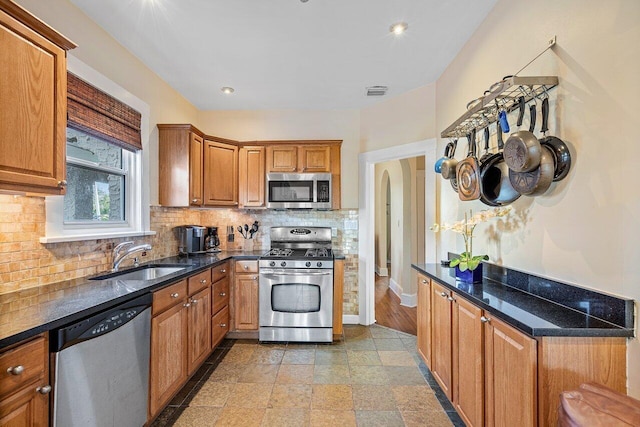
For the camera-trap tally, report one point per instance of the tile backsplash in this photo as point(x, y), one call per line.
point(26, 263)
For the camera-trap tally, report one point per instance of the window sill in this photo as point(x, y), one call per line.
point(95, 236)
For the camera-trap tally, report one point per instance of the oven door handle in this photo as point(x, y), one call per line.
point(278, 273)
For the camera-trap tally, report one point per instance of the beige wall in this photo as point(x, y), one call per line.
point(291, 125)
point(586, 229)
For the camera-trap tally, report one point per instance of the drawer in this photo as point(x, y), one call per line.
point(169, 296)
point(219, 326)
point(220, 271)
point(220, 295)
point(247, 266)
point(199, 281)
point(22, 365)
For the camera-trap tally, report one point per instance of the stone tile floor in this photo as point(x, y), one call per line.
point(374, 377)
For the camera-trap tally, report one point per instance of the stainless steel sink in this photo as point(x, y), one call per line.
point(149, 272)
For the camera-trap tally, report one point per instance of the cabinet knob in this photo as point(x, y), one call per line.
point(424, 281)
point(223, 294)
point(246, 267)
point(443, 294)
point(15, 370)
point(254, 277)
point(175, 295)
point(194, 301)
point(194, 200)
point(223, 271)
point(62, 183)
point(223, 325)
point(203, 281)
point(451, 298)
point(186, 304)
point(45, 389)
point(485, 319)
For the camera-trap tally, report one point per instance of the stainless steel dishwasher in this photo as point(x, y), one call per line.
point(101, 368)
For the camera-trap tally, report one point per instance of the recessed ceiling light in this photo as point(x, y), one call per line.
point(399, 28)
point(227, 90)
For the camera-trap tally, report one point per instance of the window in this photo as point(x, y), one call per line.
point(106, 196)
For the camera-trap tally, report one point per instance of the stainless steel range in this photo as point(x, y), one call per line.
point(296, 286)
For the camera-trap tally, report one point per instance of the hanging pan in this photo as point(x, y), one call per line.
point(494, 177)
point(559, 150)
point(448, 166)
point(522, 149)
point(468, 173)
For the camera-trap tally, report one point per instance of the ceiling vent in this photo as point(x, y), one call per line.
point(377, 90)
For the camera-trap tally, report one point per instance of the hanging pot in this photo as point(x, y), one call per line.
point(537, 181)
point(438, 164)
point(448, 166)
point(559, 150)
point(468, 173)
point(494, 177)
point(522, 149)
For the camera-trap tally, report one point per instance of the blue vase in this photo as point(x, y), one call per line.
point(470, 276)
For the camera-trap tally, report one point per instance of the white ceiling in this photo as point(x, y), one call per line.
point(286, 54)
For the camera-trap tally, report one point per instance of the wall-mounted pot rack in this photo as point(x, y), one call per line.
point(501, 96)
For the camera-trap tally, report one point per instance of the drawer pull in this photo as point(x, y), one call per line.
point(15, 370)
point(222, 294)
point(46, 389)
point(186, 304)
point(485, 319)
point(246, 267)
point(223, 325)
point(223, 271)
point(175, 295)
point(194, 200)
point(203, 281)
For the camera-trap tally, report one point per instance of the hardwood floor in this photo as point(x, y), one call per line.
point(389, 312)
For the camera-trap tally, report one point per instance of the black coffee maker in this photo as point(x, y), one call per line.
point(212, 241)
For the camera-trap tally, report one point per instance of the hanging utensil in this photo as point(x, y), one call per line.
point(448, 167)
point(558, 148)
point(494, 177)
point(438, 164)
point(468, 173)
point(522, 149)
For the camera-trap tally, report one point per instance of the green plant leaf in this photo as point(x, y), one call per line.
point(463, 266)
point(473, 263)
point(454, 262)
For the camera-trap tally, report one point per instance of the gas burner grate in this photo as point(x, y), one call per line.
point(280, 252)
point(317, 252)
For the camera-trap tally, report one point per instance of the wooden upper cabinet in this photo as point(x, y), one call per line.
point(314, 158)
point(180, 163)
point(251, 180)
point(282, 158)
point(33, 103)
point(220, 173)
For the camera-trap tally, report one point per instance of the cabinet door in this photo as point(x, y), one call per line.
point(219, 325)
point(468, 362)
point(338, 296)
point(441, 358)
point(169, 343)
point(33, 110)
point(220, 174)
point(246, 302)
point(282, 158)
point(510, 371)
point(251, 177)
point(25, 408)
point(424, 319)
point(196, 148)
point(199, 328)
point(220, 295)
point(314, 158)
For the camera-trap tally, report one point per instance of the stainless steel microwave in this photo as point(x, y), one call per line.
point(299, 190)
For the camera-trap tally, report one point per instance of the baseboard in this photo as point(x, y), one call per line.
point(350, 319)
point(395, 288)
point(409, 300)
point(382, 271)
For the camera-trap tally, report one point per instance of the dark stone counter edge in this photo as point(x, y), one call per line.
point(533, 332)
point(196, 266)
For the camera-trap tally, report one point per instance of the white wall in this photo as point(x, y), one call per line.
point(295, 124)
point(586, 229)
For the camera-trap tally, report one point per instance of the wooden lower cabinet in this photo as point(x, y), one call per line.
point(24, 384)
point(199, 329)
point(220, 325)
point(220, 296)
point(510, 369)
point(441, 356)
point(246, 302)
point(338, 294)
point(424, 319)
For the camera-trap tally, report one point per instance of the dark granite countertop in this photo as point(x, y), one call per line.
point(531, 314)
point(36, 310)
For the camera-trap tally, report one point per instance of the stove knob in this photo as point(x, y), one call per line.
point(272, 264)
point(308, 264)
point(283, 264)
point(319, 264)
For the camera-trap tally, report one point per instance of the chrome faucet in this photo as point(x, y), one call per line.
point(119, 255)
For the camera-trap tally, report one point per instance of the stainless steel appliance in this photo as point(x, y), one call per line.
point(299, 190)
point(296, 286)
point(212, 241)
point(191, 239)
point(101, 368)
